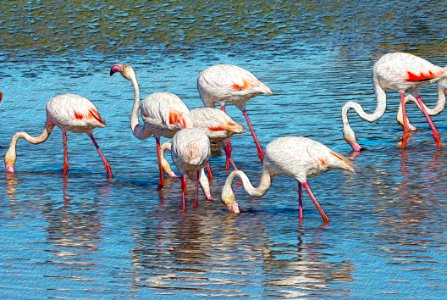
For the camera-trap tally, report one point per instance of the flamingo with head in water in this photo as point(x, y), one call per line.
point(229, 84)
point(70, 113)
point(190, 152)
point(405, 73)
point(296, 157)
point(163, 114)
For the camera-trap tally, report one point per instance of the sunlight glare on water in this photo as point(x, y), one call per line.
point(83, 236)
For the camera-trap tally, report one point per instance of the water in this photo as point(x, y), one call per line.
point(86, 237)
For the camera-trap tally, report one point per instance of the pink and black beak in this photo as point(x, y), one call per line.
point(1, 96)
point(116, 68)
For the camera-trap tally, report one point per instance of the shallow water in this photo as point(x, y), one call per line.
point(83, 236)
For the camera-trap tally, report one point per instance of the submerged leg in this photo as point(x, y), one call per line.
point(253, 134)
point(104, 160)
point(300, 200)
point(227, 149)
point(317, 205)
point(64, 139)
point(432, 125)
point(183, 183)
point(161, 180)
point(405, 119)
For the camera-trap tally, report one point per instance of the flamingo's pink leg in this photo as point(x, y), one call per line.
point(253, 134)
point(196, 196)
point(300, 200)
point(161, 181)
point(210, 172)
point(432, 125)
point(104, 160)
point(317, 205)
point(227, 148)
point(406, 128)
point(183, 183)
point(64, 138)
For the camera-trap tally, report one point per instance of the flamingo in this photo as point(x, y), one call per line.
point(69, 112)
point(439, 107)
point(296, 157)
point(218, 126)
point(1, 96)
point(190, 152)
point(231, 84)
point(163, 114)
point(402, 72)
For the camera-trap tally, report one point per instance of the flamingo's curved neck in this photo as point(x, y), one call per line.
point(137, 130)
point(259, 191)
point(10, 157)
point(348, 133)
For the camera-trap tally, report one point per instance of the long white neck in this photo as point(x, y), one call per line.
point(137, 130)
point(348, 133)
point(259, 191)
point(10, 156)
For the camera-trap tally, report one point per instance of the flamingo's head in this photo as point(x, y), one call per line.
point(229, 200)
point(10, 161)
point(349, 136)
point(125, 70)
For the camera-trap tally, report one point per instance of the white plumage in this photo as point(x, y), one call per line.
point(231, 84)
point(296, 157)
point(163, 114)
point(402, 72)
point(70, 112)
point(190, 152)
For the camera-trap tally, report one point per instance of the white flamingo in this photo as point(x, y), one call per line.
point(190, 152)
point(402, 72)
point(229, 84)
point(218, 126)
point(296, 157)
point(69, 112)
point(163, 114)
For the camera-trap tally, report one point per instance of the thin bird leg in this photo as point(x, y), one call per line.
point(183, 183)
point(432, 125)
point(317, 205)
point(227, 149)
point(64, 138)
point(210, 172)
point(104, 160)
point(253, 134)
point(196, 196)
point(406, 128)
point(300, 200)
point(161, 181)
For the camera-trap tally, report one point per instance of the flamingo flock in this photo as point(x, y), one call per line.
point(192, 131)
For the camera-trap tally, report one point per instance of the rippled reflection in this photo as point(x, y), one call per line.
point(82, 236)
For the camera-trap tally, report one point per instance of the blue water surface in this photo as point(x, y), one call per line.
point(83, 236)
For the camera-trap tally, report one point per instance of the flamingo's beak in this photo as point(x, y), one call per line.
point(233, 208)
point(116, 68)
point(1, 96)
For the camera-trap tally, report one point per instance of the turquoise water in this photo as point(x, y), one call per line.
point(83, 236)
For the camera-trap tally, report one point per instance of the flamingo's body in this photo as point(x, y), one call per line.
point(163, 114)
point(296, 157)
point(231, 84)
point(69, 112)
point(405, 73)
point(190, 152)
point(217, 125)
